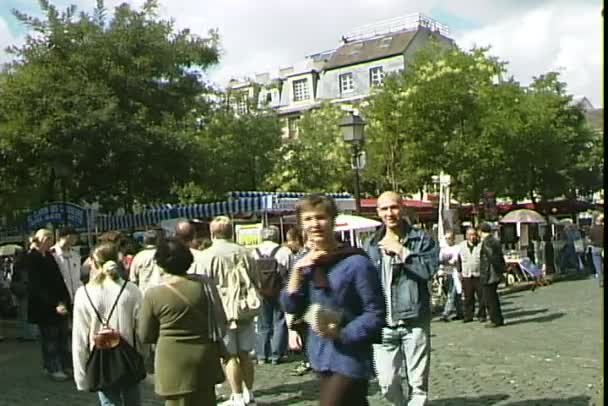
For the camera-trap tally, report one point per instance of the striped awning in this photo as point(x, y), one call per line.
point(155, 214)
point(293, 195)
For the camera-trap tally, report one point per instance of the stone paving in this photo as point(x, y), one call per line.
point(548, 354)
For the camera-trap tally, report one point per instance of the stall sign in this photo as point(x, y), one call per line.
point(54, 213)
point(249, 235)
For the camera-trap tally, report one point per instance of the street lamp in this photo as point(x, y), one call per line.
point(444, 182)
point(352, 132)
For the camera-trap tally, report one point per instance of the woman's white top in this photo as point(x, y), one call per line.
point(86, 324)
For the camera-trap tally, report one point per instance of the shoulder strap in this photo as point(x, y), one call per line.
point(179, 294)
point(124, 285)
point(259, 253)
point(274, 251)
point(113, 306)
point(184, 299)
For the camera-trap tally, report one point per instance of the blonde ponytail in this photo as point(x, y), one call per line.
point(105, 258)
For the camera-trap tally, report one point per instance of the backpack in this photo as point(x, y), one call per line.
point(271, 273)
point(242, 301)
point(112, 361)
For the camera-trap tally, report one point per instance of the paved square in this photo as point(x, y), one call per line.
point(548, 354)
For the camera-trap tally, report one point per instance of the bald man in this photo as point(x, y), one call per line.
point(406, 259)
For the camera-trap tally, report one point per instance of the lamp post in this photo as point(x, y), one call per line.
point(353, 133)
point(444, 182)
point(62, 172)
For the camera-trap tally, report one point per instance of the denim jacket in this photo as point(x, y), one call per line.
point(409, 292)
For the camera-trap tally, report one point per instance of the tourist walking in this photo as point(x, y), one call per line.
point(346, 311)
point(469, 268)
point(185, 318)
point(406, 259)
point(49, 305)
point(106, 302)
point(272, 261)
point(233, 270)
point(491, 268)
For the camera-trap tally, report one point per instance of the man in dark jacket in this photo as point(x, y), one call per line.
point(491, 268)
point(406, 259)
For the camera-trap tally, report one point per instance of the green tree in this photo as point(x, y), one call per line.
point(109, 99)
point(317, 159)
point(429, 119)
point(237, 152)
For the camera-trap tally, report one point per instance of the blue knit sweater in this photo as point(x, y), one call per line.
point(355, 289)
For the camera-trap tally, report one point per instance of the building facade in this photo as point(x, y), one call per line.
point(345, 74)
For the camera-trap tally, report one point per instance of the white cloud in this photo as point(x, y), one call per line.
point(560, 36)
point(262, 35)
point(6, 39)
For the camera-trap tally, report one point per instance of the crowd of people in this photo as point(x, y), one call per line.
point(206, 312)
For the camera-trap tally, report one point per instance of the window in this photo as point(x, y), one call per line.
point(347, 83)
point(386, 42)
point(292, 126)
point(355, 48)
point(376, 76)
point(300, 90)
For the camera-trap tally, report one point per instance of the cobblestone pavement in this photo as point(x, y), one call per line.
point(548, 354)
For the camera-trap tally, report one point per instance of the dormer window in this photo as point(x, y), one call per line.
point(386, 42)
point(347, 84)
point(355, 48)
point(376, 76)
point(300, 90)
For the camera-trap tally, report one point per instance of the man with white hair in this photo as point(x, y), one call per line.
point(273, 264)
point(233, 270)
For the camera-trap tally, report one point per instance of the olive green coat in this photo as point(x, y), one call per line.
point(185, 359)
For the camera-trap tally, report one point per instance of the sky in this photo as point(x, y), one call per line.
point(533, 36)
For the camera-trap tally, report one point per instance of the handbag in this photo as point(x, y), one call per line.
point(113, 361)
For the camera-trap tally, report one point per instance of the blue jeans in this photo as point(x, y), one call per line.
point(120, 396)
point(28, 331)
point(54, 340)
point(406, 348)
point(272, 331)
point(598, 262)
point(453, 304)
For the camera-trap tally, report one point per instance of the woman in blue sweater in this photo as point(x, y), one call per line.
point(339, 290)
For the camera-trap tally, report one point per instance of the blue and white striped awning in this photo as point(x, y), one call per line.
point(293, 195)
point(243, 205)
point(237, 203)
point(154, 215)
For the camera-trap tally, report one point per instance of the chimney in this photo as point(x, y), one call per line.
point(284, 72)
point(262, 78)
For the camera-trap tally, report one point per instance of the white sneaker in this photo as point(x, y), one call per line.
point(234, 401)
point(59, 376)
point(248, 397)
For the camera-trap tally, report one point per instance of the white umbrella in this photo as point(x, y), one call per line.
point(9, 249)
point(523, 216)
point(347, 222)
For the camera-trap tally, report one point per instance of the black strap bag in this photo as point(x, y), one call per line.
point(113, 361)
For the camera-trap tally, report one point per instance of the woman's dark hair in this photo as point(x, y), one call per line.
point(173, 256)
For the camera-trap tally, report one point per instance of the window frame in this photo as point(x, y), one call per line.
point(380, 80)
point(304, 93)
point(352, 82)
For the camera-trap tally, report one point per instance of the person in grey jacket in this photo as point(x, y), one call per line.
point(406, 259)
